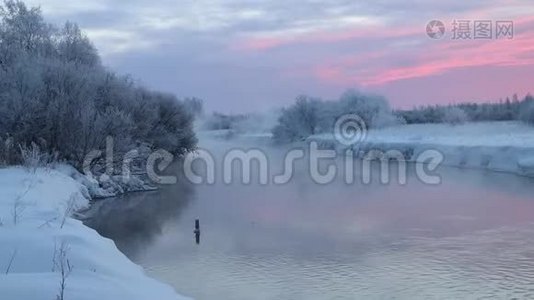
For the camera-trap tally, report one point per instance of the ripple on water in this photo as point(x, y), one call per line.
point(490, 264)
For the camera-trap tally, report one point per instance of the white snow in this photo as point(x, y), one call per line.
point(497, 146)
point(33, 204)
point(514, 134)
point(104, 186)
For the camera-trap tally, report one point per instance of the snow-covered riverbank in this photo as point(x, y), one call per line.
point(105, 186)
point(495, 146)
point(40, 242)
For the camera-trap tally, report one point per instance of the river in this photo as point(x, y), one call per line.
point(470, 237)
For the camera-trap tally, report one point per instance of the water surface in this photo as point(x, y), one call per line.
point(471, 237)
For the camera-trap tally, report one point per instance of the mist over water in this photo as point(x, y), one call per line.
point(472, 236)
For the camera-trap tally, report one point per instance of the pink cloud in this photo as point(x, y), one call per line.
point(448, 57)
point(430, 58)
point(386, 54)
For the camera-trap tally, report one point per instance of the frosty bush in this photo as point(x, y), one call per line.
point(454, 116)
point(194, 106)
point(55, 93)
point(33, 158)
point(527, 111)
point(298, 121)
point(373, 109)
point(309, 116)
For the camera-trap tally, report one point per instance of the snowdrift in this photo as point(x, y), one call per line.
point(39, 240)
point(105, 186)
point(495, 146)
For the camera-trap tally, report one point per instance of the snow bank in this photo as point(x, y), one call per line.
point(235, 136)
point(36, 229)
point(104, 186)
point(496, 146)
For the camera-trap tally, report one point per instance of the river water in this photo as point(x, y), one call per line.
point(470, 237)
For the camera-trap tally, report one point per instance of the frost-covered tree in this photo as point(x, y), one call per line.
point(454, 115)
point(309, 116)
point(23, 30)
point(194, 106)
point(74, 46)
point(54, 92)
point(298, 121)
point(503, 110)
point(371, 108)
point(527, 110)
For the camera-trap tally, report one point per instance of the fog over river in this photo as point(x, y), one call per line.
point(470, 237)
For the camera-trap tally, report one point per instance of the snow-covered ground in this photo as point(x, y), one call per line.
point(497, 146)
point(513, 134)
point(39, 241)
point(104, 186)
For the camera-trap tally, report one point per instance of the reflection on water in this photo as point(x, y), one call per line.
point(134, 220)
point(492, 264)
point(471, 237)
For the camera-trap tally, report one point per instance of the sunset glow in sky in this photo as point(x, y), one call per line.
point(241, 55)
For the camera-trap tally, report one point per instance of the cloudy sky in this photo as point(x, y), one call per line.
point(247, 55)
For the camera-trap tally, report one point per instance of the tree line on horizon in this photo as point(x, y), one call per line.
point(514, 109)
point(309, 115)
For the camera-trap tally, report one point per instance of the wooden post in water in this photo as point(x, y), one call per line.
point(197, 231)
